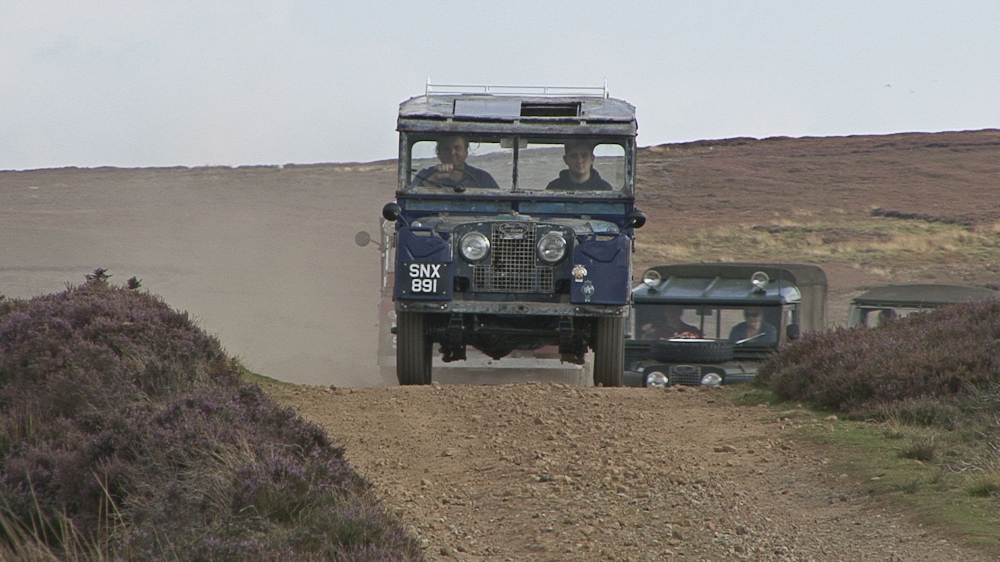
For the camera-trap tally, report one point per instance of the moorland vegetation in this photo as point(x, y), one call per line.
point(126, 432)
point(931, 379)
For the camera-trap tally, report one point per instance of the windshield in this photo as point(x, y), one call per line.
point(563, 166)
point(873, 317)
point(743, 325)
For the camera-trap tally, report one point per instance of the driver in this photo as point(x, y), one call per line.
point(453, 171)
point(671, 326)
point(754, 328)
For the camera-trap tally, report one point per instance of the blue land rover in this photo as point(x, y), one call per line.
point(514, 218)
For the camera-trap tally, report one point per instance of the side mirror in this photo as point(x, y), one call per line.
point(391, 212)
point(793, 332)
point(362, 239)
point(636, 219)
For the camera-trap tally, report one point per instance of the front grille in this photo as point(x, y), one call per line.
point(512, 265)
point(687, 375)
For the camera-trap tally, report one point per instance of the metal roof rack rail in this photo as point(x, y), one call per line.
point(542, 91)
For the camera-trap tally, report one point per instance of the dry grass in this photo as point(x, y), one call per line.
point(865, 244)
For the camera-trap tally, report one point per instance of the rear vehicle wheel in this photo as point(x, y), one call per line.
point(413, 349)
point(609, 351)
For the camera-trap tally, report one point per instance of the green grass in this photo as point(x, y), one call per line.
point(934, 476)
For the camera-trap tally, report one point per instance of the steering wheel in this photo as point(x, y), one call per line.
point(458, 187)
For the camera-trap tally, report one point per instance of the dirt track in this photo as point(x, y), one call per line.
point(555, 472)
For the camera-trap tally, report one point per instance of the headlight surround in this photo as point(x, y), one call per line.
point(711, 379)
point(656, 379)
point(551, 248)
point(474, 246)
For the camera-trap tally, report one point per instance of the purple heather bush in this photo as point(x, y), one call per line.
point(929, 368)
point(120, 416)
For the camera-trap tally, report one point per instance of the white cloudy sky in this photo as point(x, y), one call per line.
point(233, 82)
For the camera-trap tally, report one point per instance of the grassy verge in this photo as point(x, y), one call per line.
point(936, 477)
point(921, 396)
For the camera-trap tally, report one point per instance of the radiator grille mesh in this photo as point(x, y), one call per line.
point(512, 265)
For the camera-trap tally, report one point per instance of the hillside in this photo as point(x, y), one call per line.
point(264, 257)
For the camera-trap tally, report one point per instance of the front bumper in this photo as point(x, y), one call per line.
point(512, 308)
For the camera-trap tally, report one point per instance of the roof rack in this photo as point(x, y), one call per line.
point(456, 89)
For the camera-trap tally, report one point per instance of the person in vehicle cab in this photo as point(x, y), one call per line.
point(753, 329)
point(670, 326)
point(580, 174)
point(453, 171)
point(886, 315)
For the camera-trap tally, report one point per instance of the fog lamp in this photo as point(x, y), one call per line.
point(759, 280)
point(651, 278)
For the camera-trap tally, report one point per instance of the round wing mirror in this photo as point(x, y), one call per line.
point(636, 219)
point(391, 212)
point(362, 239)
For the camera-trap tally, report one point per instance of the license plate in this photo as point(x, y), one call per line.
point(426, 279)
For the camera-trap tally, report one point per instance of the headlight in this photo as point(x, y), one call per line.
point(474, 246)
point(552, 247)
point(711, 379)
point(657, 379)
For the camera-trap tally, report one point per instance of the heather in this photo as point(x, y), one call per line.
point(126, 432)
point(940, 368)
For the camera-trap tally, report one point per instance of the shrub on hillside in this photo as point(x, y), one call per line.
point(927, 365)
point(126, 428)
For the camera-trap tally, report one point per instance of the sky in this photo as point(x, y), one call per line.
point(135, 83)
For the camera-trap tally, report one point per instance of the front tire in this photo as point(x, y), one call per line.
point(609, 351)
point(414, 350)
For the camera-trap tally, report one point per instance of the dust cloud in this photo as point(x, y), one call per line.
point(261, 257)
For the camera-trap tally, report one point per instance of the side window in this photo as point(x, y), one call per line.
point(609, 160)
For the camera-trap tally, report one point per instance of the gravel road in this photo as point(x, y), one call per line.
point(558, 472)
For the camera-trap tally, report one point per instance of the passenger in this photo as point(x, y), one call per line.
point(886, 315)
point(453, 171)
point(671, 326)
point(753, 329)
point(580, 174)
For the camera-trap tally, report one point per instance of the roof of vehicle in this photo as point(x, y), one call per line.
point(795, 273)
point(729, 283)
point(922, 295)
point(526, 109)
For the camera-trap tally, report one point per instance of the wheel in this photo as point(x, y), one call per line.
point(693, 351)
point(413, 349)
point(609, 351)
